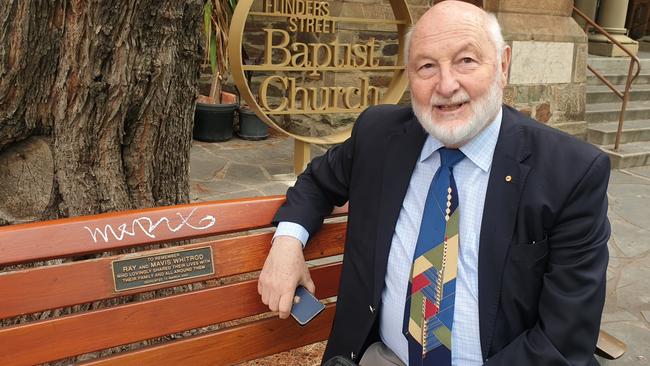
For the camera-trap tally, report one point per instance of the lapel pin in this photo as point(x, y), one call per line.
point(508, 178)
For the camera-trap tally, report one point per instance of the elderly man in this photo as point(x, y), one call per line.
point(475, 234)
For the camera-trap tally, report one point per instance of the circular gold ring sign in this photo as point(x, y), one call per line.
point(302, 18)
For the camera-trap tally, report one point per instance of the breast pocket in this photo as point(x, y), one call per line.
point(530, 252)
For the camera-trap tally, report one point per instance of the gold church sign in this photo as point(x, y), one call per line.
point(290, 59)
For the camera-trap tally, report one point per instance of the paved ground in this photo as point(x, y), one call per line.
point(239, 168)
point(627, 309)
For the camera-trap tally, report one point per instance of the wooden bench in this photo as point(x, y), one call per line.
point(221, 300)
point(225, 295)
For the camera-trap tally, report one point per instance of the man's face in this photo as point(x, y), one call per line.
point(455, 81)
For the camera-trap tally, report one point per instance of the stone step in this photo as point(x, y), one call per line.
point(615, 65)
point(619, 79)
point(629, 155)
point(609, 112)
point(605, 133)
point(602, 93)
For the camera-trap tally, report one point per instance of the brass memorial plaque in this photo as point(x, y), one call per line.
point(162, 268)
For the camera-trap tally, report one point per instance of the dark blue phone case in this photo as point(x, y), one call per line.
point(307, 308)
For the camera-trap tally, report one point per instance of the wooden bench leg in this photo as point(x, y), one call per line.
point(609, 346)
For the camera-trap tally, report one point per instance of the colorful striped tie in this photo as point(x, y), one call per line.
point(429, 311)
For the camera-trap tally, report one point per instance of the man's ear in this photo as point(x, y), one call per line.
point(505, 64)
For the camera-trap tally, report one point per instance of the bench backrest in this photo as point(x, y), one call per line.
point(148, 308)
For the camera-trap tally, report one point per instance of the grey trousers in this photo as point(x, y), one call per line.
point(380, 355)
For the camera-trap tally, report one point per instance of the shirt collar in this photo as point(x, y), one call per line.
point(479, 149)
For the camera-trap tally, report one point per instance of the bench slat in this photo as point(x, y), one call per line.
point(230, 346)
point(98, 233)
point(32, 290)
point(90, 331)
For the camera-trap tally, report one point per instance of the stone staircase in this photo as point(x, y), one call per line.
point(603, 108)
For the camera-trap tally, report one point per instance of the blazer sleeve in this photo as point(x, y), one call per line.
point(323, 185)
point(573, 290)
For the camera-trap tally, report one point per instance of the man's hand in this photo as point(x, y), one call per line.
point(283, 271)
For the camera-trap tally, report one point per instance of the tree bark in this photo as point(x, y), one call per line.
point(110, 87)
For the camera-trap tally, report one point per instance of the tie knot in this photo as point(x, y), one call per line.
point(450, 157)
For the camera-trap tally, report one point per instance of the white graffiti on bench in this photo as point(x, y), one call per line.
point(148, 227)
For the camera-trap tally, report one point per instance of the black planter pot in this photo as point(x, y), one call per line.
point(251, 127)
point(213, 122)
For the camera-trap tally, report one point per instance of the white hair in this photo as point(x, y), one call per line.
point(494, 33)
point(491, 26)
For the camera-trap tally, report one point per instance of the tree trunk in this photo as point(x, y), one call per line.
point(109, 89)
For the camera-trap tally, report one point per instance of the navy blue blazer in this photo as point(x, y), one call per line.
point(543, 242)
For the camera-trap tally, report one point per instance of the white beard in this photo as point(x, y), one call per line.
point(484, 109)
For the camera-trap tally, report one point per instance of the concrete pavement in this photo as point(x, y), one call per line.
point(240, 168)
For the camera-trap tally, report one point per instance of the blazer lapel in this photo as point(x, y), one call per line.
point(403, 150)
point(499, 216)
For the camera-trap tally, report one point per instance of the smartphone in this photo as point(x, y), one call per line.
point(307, 307)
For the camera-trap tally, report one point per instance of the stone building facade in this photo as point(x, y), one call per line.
point(549, 61)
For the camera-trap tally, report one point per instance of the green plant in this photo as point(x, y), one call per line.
point(216, 20)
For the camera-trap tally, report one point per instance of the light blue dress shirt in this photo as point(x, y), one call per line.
point(471, 175)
